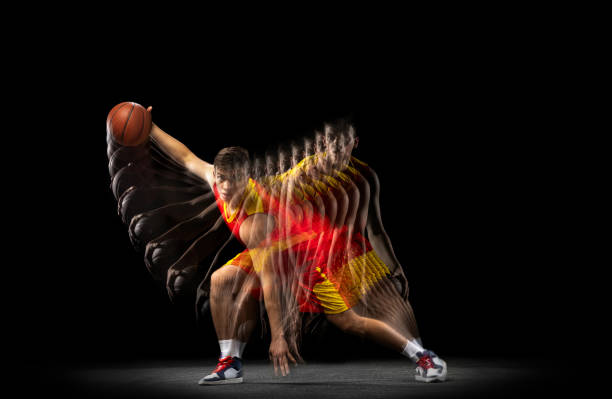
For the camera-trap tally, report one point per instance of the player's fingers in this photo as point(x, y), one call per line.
point(150, 108)
point(275, 360)
point(292, 358)
point(284, 365)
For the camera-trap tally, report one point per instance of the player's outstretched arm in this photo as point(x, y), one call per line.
point(181, 154)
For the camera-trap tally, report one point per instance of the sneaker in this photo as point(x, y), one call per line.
point(430, 367)
point(228, 371)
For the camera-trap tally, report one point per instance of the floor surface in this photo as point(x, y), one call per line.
point(352, 379)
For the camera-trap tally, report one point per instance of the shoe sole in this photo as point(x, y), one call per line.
point(221, 382)
point(441, 378)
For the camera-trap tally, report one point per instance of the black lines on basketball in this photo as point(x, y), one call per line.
point(127, 121)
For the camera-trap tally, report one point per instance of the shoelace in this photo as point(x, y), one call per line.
point(425, 362)
point(223, 363)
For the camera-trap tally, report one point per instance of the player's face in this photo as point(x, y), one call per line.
point(230, 184)
point(334, 147)
point(340, 147)
point(351, 144)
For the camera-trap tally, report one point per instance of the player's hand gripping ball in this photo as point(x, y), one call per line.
point(129, 123)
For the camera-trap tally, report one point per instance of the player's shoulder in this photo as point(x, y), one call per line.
point(360, 166)
point(365, 170)
point(358, 163)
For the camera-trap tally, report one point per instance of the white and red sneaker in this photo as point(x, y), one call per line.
point(430, 367)
point(228, 371)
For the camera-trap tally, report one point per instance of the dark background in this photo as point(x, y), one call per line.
point(466, 148)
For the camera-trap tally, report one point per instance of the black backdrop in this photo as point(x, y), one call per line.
point(466, 161)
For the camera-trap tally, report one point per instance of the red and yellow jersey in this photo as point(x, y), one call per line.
point(332, 269)
point(305, 181)
point(251, 202)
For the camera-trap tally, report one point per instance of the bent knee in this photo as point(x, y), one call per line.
point(226, 279)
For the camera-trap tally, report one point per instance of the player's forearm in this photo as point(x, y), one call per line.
point(172, 146)
point(271, 293)
point(272, 301)
point(253, 232)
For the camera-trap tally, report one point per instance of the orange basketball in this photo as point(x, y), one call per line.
point(129, 124)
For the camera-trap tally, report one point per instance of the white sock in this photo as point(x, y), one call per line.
point(411, 349)
point(225, 345)
point(235, 348)
point(231, 347)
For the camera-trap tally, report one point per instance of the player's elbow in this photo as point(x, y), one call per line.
point(197, 166)
point(190, 161)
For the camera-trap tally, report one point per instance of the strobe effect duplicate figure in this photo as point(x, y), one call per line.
point(310, 224)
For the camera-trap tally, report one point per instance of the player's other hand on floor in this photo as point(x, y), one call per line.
point(281, 355)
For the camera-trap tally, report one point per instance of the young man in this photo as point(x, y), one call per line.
point(273, 227)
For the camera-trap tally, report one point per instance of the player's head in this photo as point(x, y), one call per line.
point(340, 140)
point(231, 166)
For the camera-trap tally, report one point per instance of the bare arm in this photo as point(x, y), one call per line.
point(253, 231)
point(377, 235)
point(183, 155)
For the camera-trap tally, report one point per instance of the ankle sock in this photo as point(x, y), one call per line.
point(231, 347)
point(411, 349)
point(225, 346)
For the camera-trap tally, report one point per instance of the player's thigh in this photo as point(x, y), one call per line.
point(346, 321)
point(230, 278)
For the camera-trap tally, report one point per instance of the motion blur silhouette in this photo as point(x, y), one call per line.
point(307, 218)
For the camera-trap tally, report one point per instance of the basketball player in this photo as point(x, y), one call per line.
point(253, 216)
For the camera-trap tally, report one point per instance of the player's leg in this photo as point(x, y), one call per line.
point(381, 300)
point(384, 302)
point(234, 310)
point(430, 366)
point(388, 318)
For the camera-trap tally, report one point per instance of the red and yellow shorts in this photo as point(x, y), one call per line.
point(326, 283)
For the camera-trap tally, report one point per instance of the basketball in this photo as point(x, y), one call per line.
point(129, 124)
